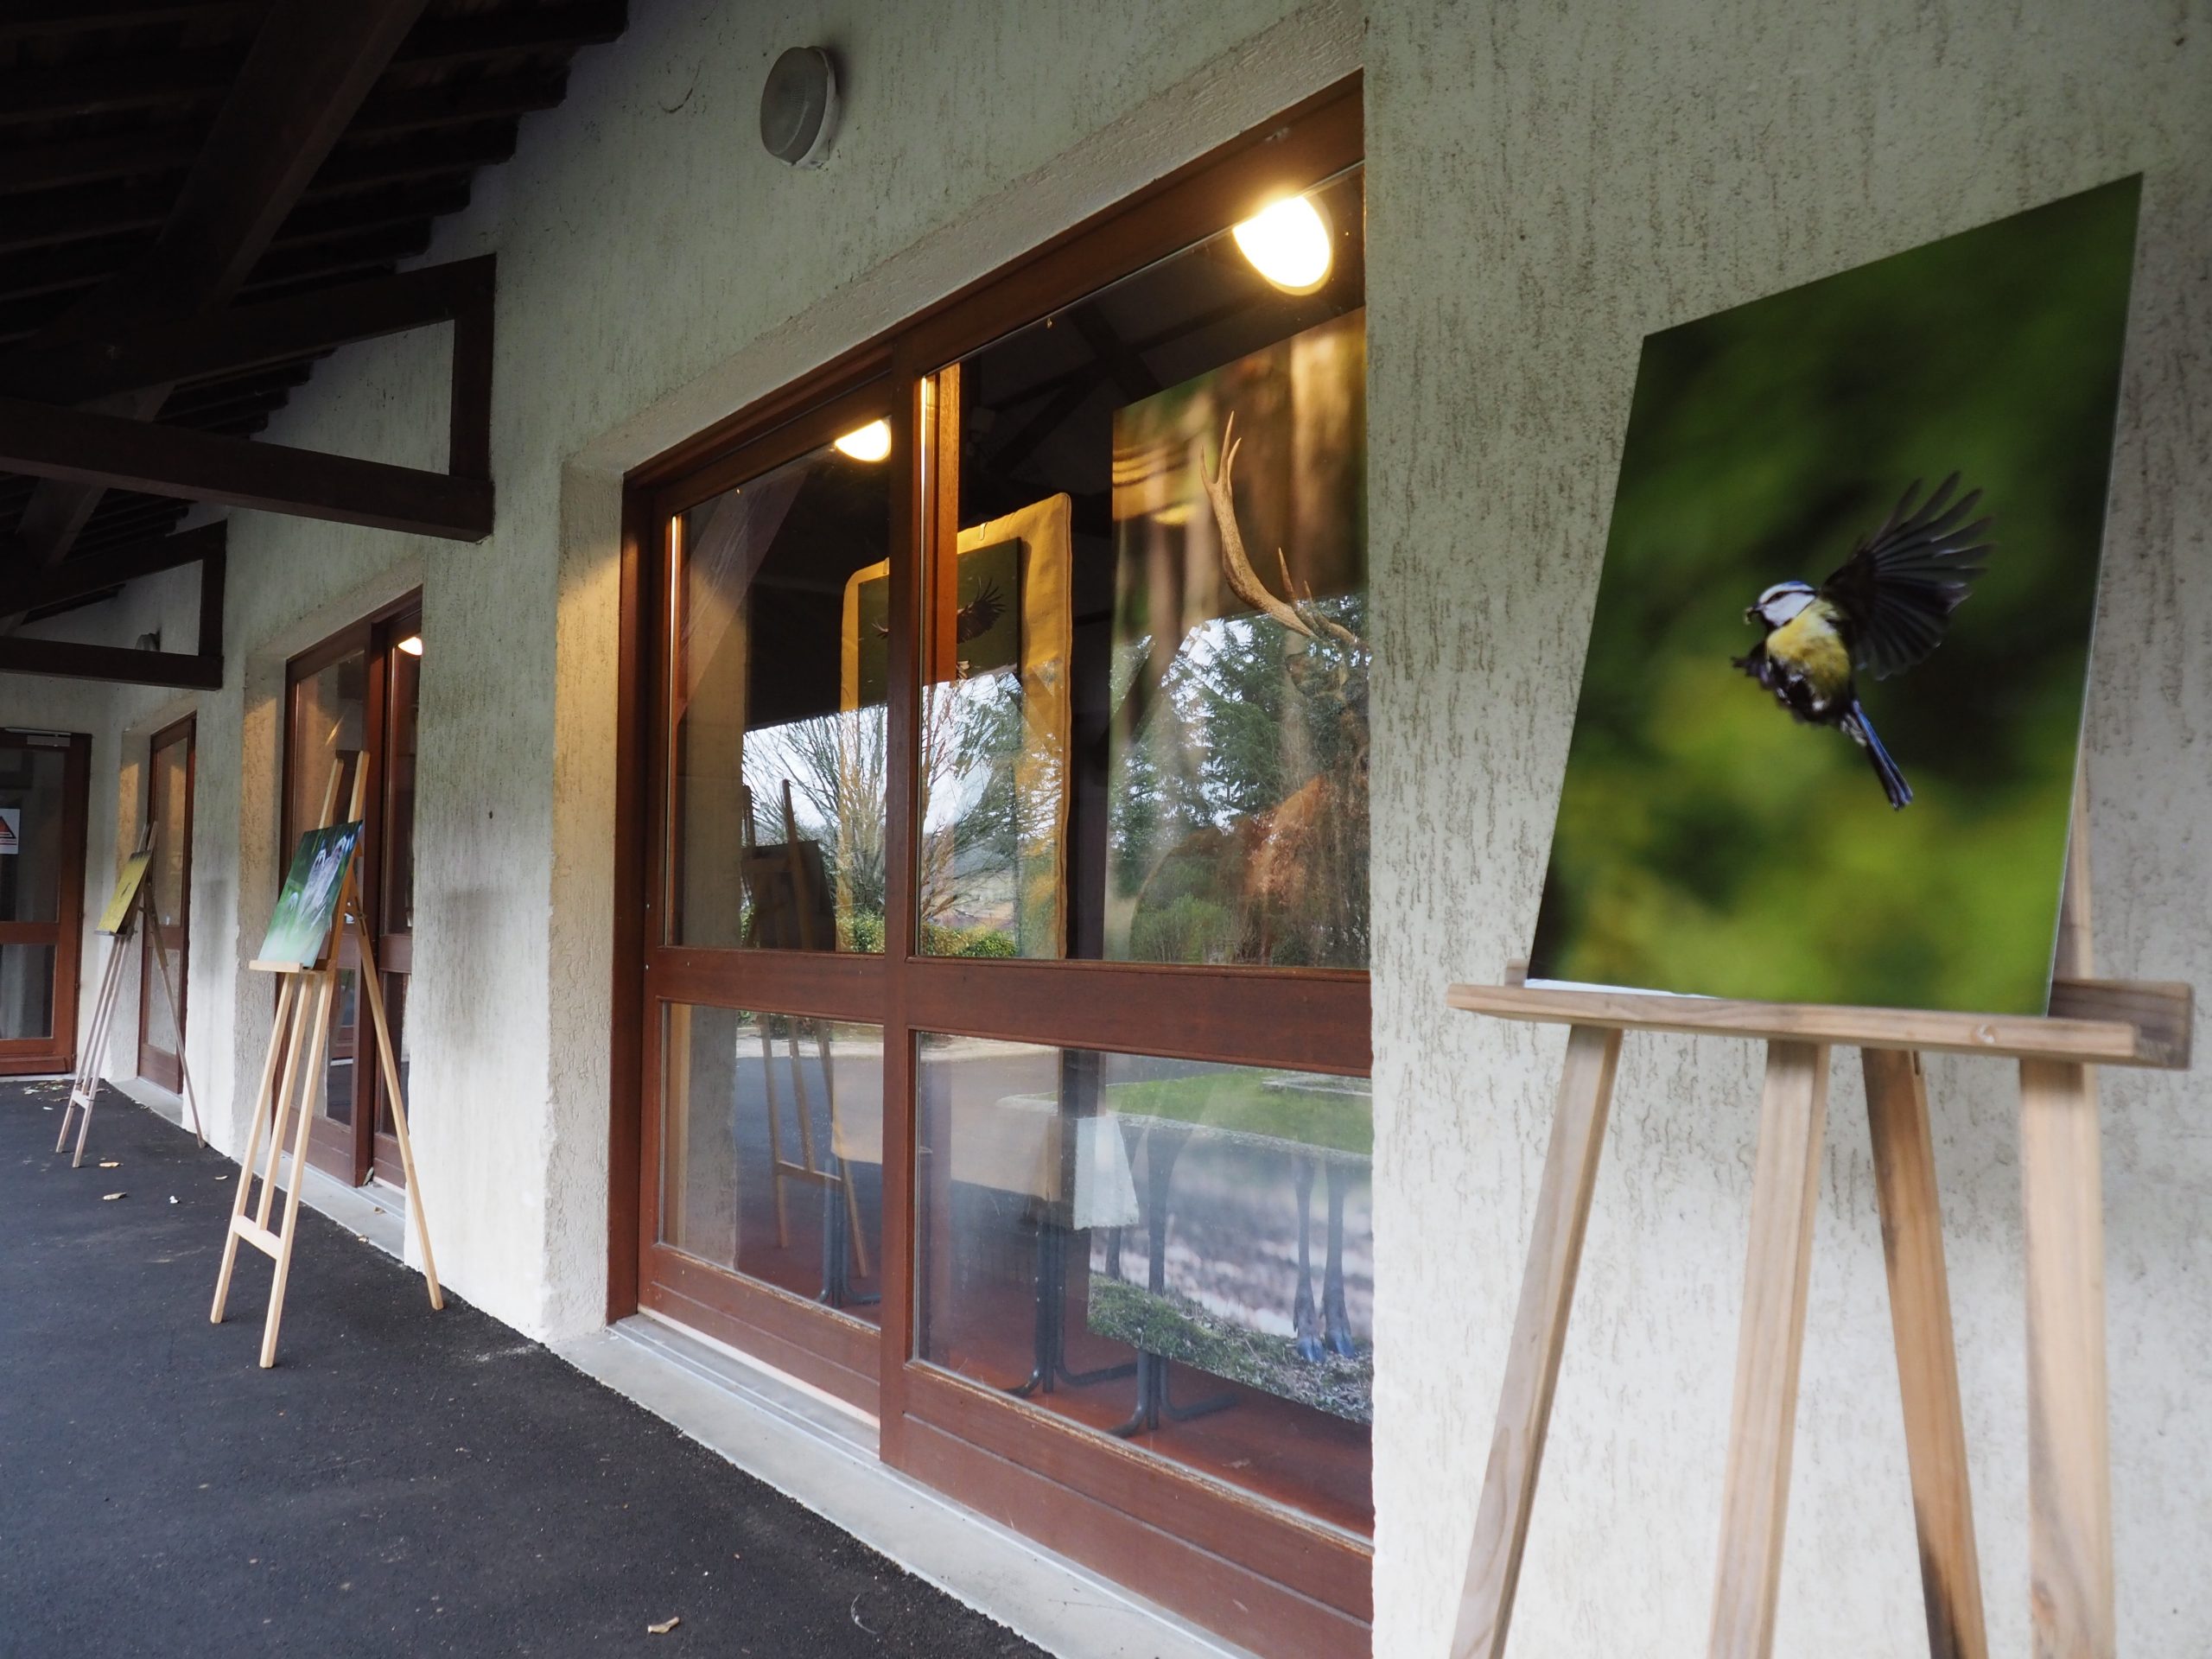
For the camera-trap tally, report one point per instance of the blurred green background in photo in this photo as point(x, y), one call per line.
point(1708, 843)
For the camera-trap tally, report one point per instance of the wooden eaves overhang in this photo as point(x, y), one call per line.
point(199, 199)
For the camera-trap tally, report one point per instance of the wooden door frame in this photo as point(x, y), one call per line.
point(57, 1053)
point(1226, 1557)
point(156, 1064)
point(349, 1152)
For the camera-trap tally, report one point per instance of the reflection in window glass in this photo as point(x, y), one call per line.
point(1145, 728)
point(168, 800)
point(33, 789)
point(1178, 1253)
point(777, 685)
point(26, 991)
point(772, 1150)
point(329, 720)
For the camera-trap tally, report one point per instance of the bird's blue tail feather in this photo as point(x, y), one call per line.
point(1893, 784)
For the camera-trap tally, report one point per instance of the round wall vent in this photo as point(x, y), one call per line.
point(798, 106)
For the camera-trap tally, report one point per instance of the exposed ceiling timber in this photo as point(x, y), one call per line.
point(151, 258)
point(153, 152)
point(273, 331)
point(110, 451)
point(89, 574)
point(157, 80)
point(309, 70)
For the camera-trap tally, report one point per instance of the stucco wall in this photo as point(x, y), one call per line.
point(1547, 185)
point(1544, 189)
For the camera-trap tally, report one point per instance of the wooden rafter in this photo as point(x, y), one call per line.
point(275, 332)
point(115, 452)
point(310, 68)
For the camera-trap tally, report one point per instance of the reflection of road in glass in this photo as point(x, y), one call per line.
point(1232, 1236)
point(727, 1211)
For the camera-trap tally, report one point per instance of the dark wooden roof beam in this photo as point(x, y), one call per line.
point(110, 452)
point(62, 659)
point(242, 336)
point(55, 20)
point(166, 150)
point(186, 80)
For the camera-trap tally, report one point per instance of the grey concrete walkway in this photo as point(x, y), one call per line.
point(404, 1482)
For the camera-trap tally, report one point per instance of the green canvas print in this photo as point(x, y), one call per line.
point(1831, 711)
point(309, 903)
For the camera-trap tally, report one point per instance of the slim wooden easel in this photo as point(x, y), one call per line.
point(2091, 1022)
point(297, 1042)
point(85, 1087)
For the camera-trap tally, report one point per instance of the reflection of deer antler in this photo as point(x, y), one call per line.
point(1234, 565)
point(1238, 569)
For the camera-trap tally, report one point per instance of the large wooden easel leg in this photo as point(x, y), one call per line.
point(2070, 1601)
point(372, 984)
point(1927, 1366)
point(282, 1041)
point(1524, 1405)
point(326, 994)
point(1755, 1501)
point(84, 1086)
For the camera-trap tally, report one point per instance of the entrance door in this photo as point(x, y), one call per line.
point(350, 702)
point(43, 782)
point(168, 809)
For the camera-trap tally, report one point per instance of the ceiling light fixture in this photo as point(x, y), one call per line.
point(869, 442)
point(1287, 242)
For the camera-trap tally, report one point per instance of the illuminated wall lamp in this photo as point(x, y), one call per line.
point(869, 442)
point(1288, 242)
point(412, 644)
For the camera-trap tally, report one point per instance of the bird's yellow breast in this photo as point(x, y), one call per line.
point(1808, 644)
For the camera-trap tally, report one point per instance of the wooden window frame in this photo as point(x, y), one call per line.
point(1275, 1580)
point(344, 1151)
point(156, 1064)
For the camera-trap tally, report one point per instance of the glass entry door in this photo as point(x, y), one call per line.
point(351, 704)
point(43, 776)
point(168, 809)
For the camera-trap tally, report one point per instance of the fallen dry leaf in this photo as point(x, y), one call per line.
point(110, 1163)
point(664, 1626)
point(110, 1198)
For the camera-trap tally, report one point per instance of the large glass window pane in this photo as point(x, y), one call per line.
point(777, 683)
point(1178, 1253)
point(329, 718)
point(169, 800)
point(772, 1150)
point(402, 729)
point(33, 793)
point(1145, 726)
point(26, 991)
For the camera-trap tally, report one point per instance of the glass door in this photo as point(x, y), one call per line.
point(168, 809)
point(43, 780)
point(351, 704)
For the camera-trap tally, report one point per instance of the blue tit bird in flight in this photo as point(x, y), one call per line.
point(1883, 610)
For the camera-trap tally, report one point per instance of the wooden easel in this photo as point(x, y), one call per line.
point(2091, 1022)
point(297, 1041)
point(85, 1087)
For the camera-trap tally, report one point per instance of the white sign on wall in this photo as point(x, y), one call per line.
point(11, 829)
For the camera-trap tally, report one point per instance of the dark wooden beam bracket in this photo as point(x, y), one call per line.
point(251, 336)
point(114, 452)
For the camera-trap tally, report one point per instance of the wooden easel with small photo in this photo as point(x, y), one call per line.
point(319, 900)
point(2091, 1022)
point(133, 898)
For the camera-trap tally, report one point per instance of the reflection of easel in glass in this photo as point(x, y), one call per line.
point(2092, 1021)
point(298, 1042)
point(788, 904)
point(85, 1087)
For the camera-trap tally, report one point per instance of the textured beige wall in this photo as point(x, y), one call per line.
point(1549, 184)
point(1544, 188)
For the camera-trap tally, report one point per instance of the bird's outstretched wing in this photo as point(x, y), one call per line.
point(1897, 589)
